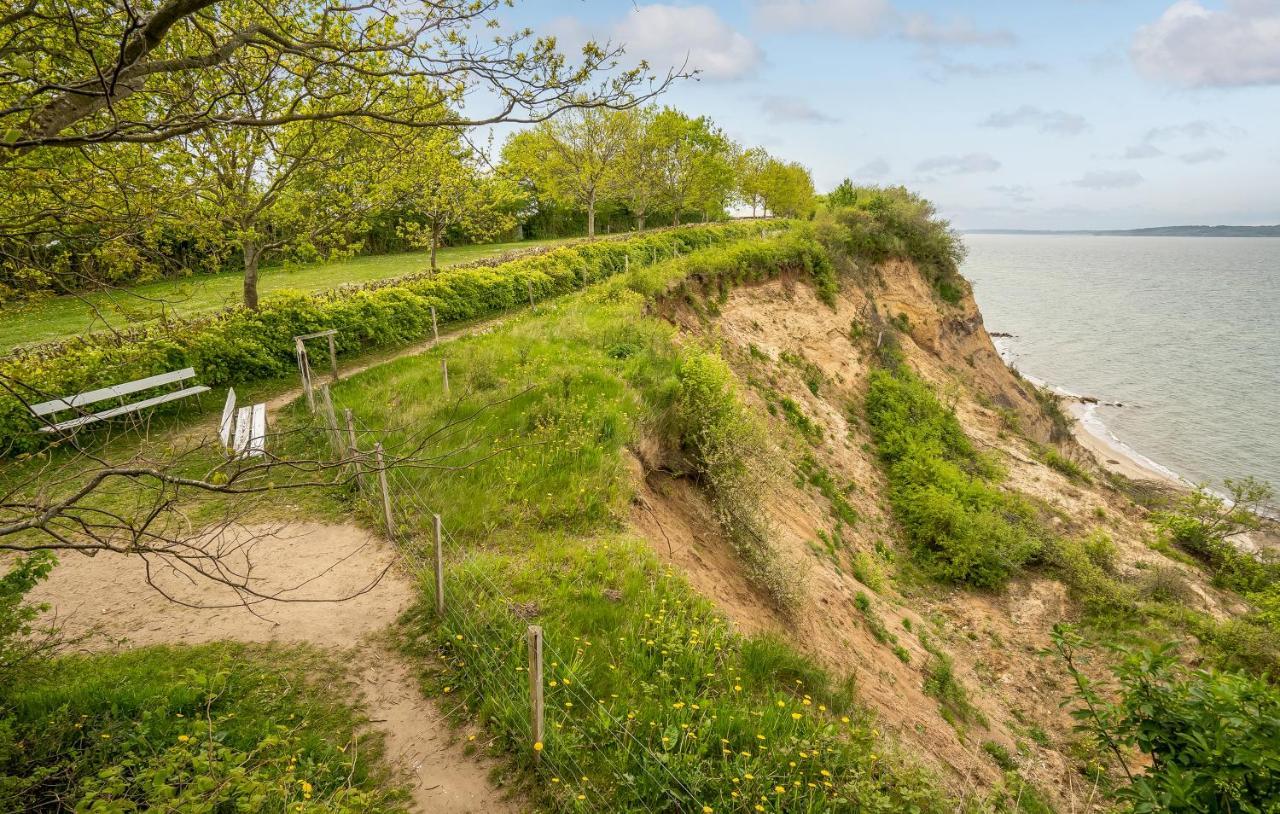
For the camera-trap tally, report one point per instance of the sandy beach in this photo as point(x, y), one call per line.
point(1110, 453)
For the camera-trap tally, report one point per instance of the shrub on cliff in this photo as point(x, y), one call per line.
point(874, 224)
point(960, 526)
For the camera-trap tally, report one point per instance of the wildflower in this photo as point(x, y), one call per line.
point(844, 719)
point(797, 716)
point(537, 747)
point(779, 789)
point(184, 738)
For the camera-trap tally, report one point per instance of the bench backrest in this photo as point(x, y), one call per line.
point(115, 391)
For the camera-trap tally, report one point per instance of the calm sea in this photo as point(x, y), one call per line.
point(1184, 332)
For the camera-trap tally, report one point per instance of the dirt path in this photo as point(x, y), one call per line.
point(107, 597)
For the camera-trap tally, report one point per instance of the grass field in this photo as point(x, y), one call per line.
point(64, 316)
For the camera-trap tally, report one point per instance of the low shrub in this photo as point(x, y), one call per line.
point(1058, 462)
point(238, 345)
point(959, 525)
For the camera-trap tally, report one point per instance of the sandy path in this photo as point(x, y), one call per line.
point(107, 598)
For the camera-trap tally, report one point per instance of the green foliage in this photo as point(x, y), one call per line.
point(941, 683)
point(960, 526)
point(809, 372)
point(212, 728)
point(237, 345)
point(1000, 755)
point(817, 475)
point(1201, 523)
point(892, 222)
point(728, 446)
point(796, 417)
point(1211, 736)
point(1057, 461)
point(1087, 566)
point(19, 642)
point(868, 570)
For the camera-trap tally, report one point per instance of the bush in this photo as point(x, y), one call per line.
point(1211, 737)
point(892, 222)
point(237, 345)
point(960, 527)
point(20, 643)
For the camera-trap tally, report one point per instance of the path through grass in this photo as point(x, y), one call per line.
point(69, 315)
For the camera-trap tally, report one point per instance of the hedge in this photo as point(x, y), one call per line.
point(237, 345)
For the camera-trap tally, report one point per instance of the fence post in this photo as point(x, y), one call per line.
point(529, 285)
point(304, 370)
point(444, 370)
point(330, 421)
point(626, 263)
point(333, 356)
point(386, 495)
point(439, 569)
point(535, 689)
point(435, 328)
point(352, 449)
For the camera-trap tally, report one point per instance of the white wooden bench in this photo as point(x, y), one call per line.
point(46, 410)
point(250, 436)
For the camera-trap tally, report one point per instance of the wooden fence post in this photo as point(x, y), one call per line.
point(331, 421)
point(304, 370)
point(626, 263)
point(435, 328)
point(535, 689)
point(386, 495)
point(444, 370)
point(352, 449)
point(333, 356)
point(439, 569)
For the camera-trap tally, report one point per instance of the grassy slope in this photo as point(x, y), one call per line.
point(256, 728)
point(653, 703)
point(69, 315)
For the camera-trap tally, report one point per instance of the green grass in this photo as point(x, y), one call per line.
point(212, 728)
point(69, 315)
point(653, 702)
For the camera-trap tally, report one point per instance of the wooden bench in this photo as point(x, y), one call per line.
point(250, 436)
point(46, 410)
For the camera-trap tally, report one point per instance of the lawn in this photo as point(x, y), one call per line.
point(69, 315)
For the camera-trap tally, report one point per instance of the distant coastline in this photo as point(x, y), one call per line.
point(1156, 231)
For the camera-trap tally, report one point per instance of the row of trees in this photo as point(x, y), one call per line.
point(648, 162)
point(180, 136)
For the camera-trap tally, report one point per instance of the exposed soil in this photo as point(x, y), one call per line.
point(107, 599)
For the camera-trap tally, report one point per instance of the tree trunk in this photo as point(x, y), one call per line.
point(591, 216)
point(251, 255)
point(640, 222)
point(675, 218)
point(435, 244)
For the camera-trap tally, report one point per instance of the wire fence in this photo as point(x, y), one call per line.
point(469, 606)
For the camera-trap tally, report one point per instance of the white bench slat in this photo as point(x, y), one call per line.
point(258, 434)
point(224, 426)
point(244, 421)
point(128, 408)
point(114, 391)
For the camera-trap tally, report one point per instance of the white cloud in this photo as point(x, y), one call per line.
point(1108, 179)
point(864, 19)
point(872, 170)
point(1195, 46)
point(959, 164)
point(1047, 121)
point(785, 109)
point(851, 18)
point(1188, 131)
point(667, 36)
point(1144, 150)
point(1202, 156)
point(1015, 192)
point(928, 30)
point(977, 70)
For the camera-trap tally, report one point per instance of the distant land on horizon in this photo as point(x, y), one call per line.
point(1156, 231)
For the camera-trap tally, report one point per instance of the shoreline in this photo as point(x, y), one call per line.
point(1092, 434)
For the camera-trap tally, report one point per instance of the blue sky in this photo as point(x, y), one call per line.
point(1040, 114)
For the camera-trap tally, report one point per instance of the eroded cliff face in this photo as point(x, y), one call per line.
point(864, 612)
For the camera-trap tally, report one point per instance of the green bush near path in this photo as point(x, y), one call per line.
point(211, 728)
point(238, 345)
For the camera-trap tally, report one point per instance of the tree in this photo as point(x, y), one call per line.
point(787, 188)
point(442, 186)
point(750, 169)
point(81, 72)
point(640, 166)
point(845, 194)
point(574, 158)
point(696, 168)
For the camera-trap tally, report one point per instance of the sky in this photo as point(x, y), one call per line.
point(1042, 114)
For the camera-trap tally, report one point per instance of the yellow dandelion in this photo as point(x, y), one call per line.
point(796, 715)
point(537, 747)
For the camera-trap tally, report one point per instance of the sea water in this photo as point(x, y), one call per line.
point(1177, 338)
